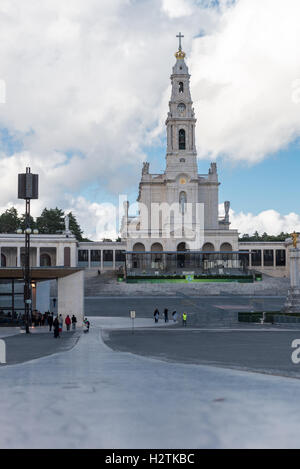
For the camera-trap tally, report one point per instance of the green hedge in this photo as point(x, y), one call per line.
point(257, 316)
point(183, 277)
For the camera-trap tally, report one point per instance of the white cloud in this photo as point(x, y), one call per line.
point(243, 79)
point(84, 81)
point(99, 219)
point(88, 81)
point(178, 8)
point(267, 221)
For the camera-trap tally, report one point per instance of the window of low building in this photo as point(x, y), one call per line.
point(95, 257)
point(83, 258)
point(107, 258)
point(244, 258)
point(256, 258)
point(280, 257)
point(120, 258)
point(268, 257)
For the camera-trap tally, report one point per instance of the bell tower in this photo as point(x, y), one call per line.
point(181, 147)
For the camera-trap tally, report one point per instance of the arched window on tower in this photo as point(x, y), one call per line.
point(181, 88)
point(181, 139)
point(182, 202)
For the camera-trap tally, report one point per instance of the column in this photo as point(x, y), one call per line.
point(274, 258)
point(38, 256)
point(89, 258)
point(102, 265)
point(59, 255)
point(114, 259)
point(18, 256)
point(294, 267)
point(0, 258)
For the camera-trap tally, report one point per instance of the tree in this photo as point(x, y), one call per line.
point(75, 228)
point(265, 237)
point(9, 221)
point(51, 221)
point(22, 222)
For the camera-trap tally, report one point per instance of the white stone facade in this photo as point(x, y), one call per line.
point(45, 250)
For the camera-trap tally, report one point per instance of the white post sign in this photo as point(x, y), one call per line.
point(2, 352)
point(132, 315)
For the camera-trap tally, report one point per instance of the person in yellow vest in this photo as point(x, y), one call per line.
point(184, 318)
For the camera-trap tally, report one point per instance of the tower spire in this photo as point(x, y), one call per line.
point(180, 36)
point(180, 54)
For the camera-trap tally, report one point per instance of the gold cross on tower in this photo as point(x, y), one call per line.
point(180, 36)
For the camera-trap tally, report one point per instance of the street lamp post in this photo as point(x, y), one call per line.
point(27, 189)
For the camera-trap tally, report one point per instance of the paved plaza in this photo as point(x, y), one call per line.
point(22, 348)
point(154, 386)
point(202, 311)
point(94, 397)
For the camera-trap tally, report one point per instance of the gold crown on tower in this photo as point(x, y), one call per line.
point(180, 54)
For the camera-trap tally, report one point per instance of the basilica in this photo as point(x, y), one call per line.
point(179, 209)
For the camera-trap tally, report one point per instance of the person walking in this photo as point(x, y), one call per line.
point(86, 324)
point(184, 319)
point(166, 315)
point(68, 322)
point(74, 322)
point(56, 328)
point(156, 315)
point(61, 323)
point(174, 316)
point(50, 321)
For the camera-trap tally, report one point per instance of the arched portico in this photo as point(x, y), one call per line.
point(3, 260)
point(157, 256)
point(208, 247)
point(45, 260)
point(137, 259)
point(139, 247)
point(181, 255)
point(226, 247)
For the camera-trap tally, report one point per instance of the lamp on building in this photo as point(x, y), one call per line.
point(27, 231)
point(27, 189)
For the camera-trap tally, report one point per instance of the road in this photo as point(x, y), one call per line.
point(262, 350)
point(145, 306)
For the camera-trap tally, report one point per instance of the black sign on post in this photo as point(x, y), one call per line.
point(28, 189)
point(28, 186)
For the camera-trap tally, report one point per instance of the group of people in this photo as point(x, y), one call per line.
point(57, 324)
point(39, 319)
point(156, 315)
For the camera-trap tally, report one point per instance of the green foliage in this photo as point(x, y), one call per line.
point(264, 237)
point(75, 228)
point(23, 224)
point(51, 221)
point(9, 221)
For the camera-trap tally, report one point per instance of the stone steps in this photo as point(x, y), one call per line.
point(95, 284)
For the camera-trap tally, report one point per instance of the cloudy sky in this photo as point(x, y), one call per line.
point(86, 96)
